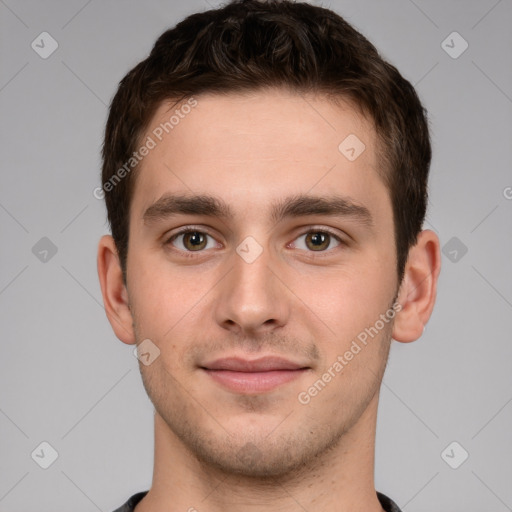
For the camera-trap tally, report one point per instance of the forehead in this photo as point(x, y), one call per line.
point(257, 145)
point(270, 119)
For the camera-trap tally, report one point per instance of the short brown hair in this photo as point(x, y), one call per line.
point(251, 44)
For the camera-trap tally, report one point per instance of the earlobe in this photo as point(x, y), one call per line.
point(417, 293)
point(113, 290)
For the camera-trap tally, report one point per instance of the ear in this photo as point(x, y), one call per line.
point(113, 289)
point(418, 289)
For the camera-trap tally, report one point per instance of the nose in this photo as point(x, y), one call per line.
point(251, 299)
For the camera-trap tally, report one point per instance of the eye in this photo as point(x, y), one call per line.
point(192, 241)
point(317, 241)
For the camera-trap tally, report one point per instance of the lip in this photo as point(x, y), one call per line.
point(263, 364)
point(253, 376)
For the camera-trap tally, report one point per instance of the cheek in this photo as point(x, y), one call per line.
point(347, 299)
point(168, 304)
point(155, 301)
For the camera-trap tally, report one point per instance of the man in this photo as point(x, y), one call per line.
point(265, 175)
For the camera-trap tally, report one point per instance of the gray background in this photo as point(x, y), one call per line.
point(65, 378)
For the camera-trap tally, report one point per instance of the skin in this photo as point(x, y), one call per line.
point(219, 450)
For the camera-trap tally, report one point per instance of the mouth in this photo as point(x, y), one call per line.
point(253, 376)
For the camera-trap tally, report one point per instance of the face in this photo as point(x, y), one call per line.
point(262, 265)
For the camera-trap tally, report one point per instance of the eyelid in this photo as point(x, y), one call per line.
point(320, 229)
point(186, 229)
point(168, 238)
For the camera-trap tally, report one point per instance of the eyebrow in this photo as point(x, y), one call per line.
point(170, 205)
point(332, 206)
point(294, 206)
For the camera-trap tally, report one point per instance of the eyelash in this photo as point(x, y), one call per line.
point(195, 254)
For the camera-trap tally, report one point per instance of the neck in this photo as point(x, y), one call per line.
point(339, 479)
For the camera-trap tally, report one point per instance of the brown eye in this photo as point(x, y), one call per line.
point(317, 241)
point(192, 241)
